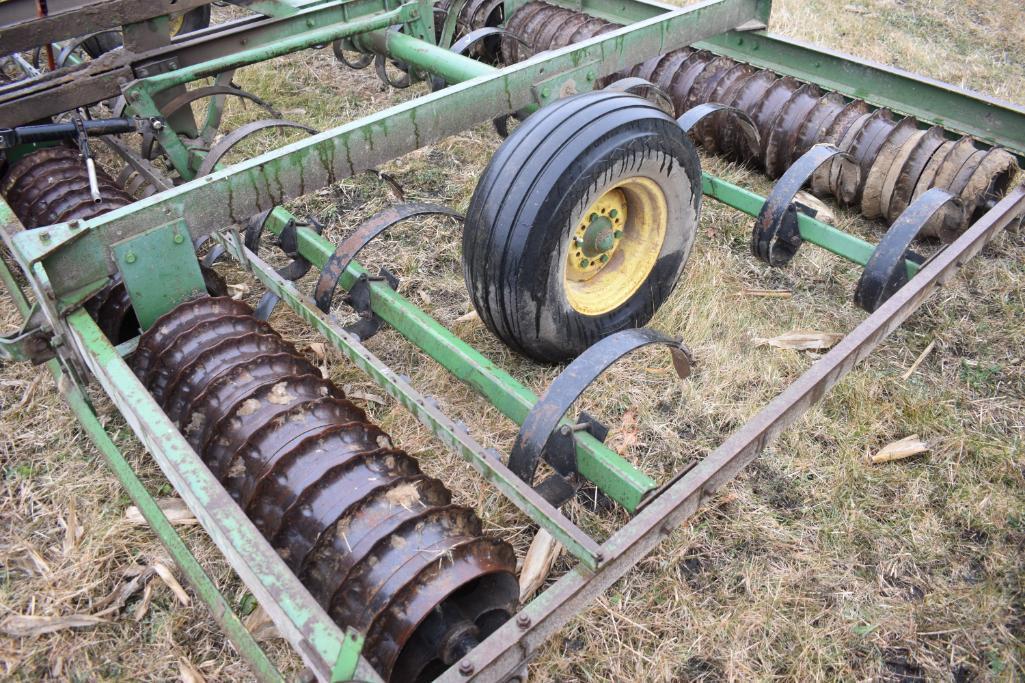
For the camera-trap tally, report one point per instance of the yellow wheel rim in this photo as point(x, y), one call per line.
point(614, 246)
point(175, 24)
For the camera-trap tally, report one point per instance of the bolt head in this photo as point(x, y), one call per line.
point(465, 668)
point(179, 238)
point(130, 257)
point(565, 430)
point(584, 263)
point(522, 620)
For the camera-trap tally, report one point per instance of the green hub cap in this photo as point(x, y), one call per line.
point(599, 237)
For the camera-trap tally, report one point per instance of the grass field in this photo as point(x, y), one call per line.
point(811, 565)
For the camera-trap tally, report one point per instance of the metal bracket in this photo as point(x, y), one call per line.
point(157, 67)
point(160, 270)
point(339, 261)
point(359, 298)
point(776, 236)
point(288, 241)
point(32, 343)
point(886, 271)
point(541, 436)
point(566, 83)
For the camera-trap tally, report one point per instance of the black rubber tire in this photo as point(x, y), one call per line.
point(537, 185)
point(195, 20)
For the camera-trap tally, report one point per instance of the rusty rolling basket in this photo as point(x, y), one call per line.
point(578, 230)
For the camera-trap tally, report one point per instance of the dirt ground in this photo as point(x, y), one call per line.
point(811, 565)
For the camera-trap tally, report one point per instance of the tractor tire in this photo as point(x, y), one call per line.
point(581, 224)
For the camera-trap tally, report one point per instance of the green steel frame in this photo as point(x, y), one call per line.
point(64, 264)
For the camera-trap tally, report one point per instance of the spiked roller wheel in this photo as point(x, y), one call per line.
point(51, 185)
point(378, 543)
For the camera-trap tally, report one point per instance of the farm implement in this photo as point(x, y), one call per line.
point(120, 197)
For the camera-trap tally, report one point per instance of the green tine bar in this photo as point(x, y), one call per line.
point(219, 608)
point(814, 231)
point(487, 462)
point(616, 477)
point(323, 646)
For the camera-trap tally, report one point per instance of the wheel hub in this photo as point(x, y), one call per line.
point(615, 245)
point(597, 236)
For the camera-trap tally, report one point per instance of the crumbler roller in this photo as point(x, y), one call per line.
point(378, 543)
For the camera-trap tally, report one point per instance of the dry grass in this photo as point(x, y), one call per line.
point(812, 565)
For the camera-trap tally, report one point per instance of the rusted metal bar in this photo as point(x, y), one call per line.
point(512, 645)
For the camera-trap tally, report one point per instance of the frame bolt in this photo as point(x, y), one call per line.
point(130, 257)
point(465, 667)
point(135, 96)
point(45, 237)
point(178, 239)
point(522, 620)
